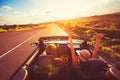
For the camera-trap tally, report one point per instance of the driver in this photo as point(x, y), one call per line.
point(51, 49)
point(63, 69)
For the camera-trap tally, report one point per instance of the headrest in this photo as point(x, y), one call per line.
point(45, 60)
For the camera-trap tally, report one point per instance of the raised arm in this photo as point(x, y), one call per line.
point(74, 60)
point(98, 39)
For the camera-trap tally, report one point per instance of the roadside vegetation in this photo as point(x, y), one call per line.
point(15, 27)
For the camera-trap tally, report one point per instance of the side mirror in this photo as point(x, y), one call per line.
point(35, 44)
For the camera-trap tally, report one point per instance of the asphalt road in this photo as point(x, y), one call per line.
point(14, 50)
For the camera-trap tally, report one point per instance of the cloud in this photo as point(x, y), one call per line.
point(33, 18)
point(6, 8)
point(1, 16)
point(114, 5)
point(110, 6)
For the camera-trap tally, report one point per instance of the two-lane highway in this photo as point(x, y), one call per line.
point(14, 50)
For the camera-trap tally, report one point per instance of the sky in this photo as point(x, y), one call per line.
point(38, 11)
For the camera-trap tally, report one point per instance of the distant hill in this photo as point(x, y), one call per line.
point(111, 21)
point(107, 21)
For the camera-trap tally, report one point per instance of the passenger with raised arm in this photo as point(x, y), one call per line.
point(84, 55)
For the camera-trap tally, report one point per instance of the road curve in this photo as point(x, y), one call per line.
point(14, 50)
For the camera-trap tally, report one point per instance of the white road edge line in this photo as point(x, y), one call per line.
point(18, 45)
